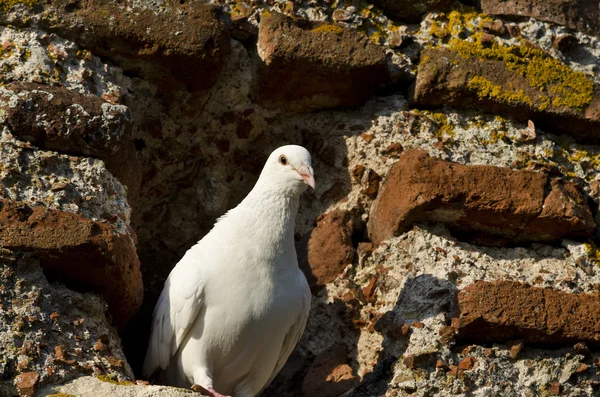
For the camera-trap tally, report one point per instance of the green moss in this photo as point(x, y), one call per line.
point(329, 28)
point(558, 84)
point(6, 5)
point(105, 378)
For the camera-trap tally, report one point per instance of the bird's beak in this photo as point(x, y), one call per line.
point(306, 172)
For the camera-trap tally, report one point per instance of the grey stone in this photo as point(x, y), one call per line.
point(49, 329)
point(89, 386)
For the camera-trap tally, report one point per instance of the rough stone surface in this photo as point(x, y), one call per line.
point(93, 387)
point(26, 383)
point(412, 11)
point(295, 72)
point(505, 310)
point(62, 240)
point(329, 374)
point(518, 205)
point(329, 249)
point(447, 77)
point(74, 184)
point(202, 143)
point(418, 276)
point(48, 332)
point(54, 118)
point(582, 15)
point(181, 37)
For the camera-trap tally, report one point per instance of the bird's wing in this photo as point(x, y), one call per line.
point(293, 336)
point(175, 312)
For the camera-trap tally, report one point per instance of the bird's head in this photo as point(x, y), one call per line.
point(290, 167)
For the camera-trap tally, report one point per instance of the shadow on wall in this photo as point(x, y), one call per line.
point(333, 372)
point(422, 297)
point(326, 145)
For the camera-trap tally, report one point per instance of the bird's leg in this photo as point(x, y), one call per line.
point(207, 391)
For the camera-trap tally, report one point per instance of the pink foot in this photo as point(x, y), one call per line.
point(207, 391)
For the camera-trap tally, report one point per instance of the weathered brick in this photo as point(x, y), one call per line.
point(518, 205)
point(329, 249)
point(295, 72)
point(499, 311)
point(582, 15)
point(566, 102)
point(182, 37)
point(412, 11)
point(55, 118)
point(91, 254)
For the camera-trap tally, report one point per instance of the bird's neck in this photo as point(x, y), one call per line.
point(273, 216)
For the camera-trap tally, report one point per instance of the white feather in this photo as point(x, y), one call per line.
point(235, 306)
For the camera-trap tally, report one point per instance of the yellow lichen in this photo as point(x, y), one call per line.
point(26, 54)
point(60, 395)
point(376, 38)
point(6, 5)
point(455, 24)
point(109, 379)
point(498, 135)
point(83, 55)
point(486, 89)
point(558, 84)
point(329, 28)
point(444, 127)
point(579, 155)
point(593, 252)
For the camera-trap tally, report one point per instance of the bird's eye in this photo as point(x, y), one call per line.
point(283, 160)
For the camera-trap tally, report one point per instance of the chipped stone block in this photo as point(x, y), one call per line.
point(498, 311)
point(75, 184)
point(329, 249)
point(26, 383)
point(582, 15)
point(181, 37)
point(519, 81)
point(55, 118)
point(519, 205)
point(80, 250)
point(412, 11)
point(88, 386)
point(295, 73)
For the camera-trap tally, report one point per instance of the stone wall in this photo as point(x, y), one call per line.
point(451, 243)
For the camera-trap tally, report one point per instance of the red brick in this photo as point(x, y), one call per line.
point(80, 250)
point(296, 73)
point(521, 206)
point(499, 311)
point(330, 249)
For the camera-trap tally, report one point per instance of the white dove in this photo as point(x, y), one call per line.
point(236, 304)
